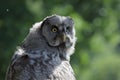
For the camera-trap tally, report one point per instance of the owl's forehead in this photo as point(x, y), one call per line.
point(60, 20)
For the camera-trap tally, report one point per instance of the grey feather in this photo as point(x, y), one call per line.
point(45, 54)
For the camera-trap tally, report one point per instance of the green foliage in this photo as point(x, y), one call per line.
point(105, 69)
point(97, 24)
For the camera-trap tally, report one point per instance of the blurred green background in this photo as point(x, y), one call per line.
point(97, 23)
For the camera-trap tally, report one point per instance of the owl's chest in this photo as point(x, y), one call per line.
point(45, 66)
point(49, 67)
point(42, 65)
point(62, 71)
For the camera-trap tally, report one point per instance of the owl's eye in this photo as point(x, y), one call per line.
point(68, 28)
point(54, 29)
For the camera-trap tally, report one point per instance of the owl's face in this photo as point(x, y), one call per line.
point(58, 30)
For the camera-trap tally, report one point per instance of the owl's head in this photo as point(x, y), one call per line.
point(58, 31)
point(53, 32)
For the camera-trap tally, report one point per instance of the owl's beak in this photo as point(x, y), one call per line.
point(64, 37)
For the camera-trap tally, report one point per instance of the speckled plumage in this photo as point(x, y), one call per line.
point(44, 55)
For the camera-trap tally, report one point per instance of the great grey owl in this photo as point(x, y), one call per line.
point(45, 52)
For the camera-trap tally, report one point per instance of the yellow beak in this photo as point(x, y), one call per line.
point(64, 37)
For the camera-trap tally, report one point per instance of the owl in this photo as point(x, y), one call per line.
point(45, 53)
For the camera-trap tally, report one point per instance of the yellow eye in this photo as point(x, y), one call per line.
point(54, 29)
